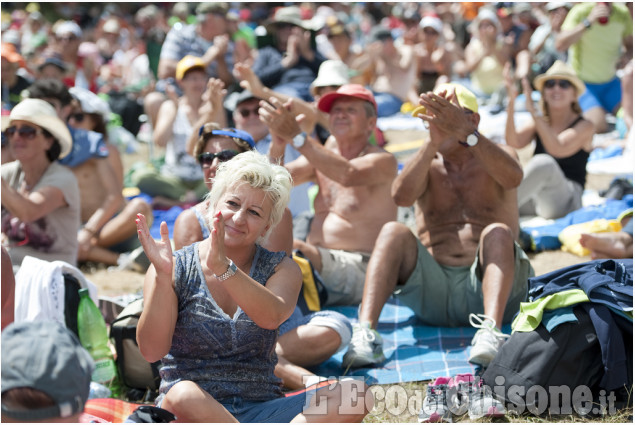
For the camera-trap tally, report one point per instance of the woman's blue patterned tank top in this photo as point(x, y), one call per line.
point(226, 356)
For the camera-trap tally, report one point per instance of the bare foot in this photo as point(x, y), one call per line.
point(608, 245)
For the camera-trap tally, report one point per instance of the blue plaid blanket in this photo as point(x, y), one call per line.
point(414, 352)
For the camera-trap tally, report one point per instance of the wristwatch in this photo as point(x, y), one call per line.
point(472, 139)
point(231, 270)
point(586, 23)
point(299, 140)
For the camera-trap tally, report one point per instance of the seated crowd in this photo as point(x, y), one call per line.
point(261, 124)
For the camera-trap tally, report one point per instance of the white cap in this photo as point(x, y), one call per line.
point(331, 73)
point(90, 102)
point(432, 22)
point(68, 27)
point(553, 5)
point(111, 26)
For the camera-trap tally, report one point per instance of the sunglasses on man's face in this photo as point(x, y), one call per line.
point(78, 117)
point(564, 84)
point(67, 37)
point(245, 112)
point(207, 158)
point(26, 132)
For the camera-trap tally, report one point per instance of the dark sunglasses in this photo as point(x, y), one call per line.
point(207, 158)
point(67, 38)
point(26, 132)
point(284, 25)
point(246, 112)
point(564, 84)
point(430, 31)
point(79, 116)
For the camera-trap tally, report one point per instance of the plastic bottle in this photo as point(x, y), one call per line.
point(94, 337)
point(98, 390)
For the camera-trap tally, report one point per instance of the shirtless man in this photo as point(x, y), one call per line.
point(394, 71)
point(464, 190)
point(434, 60)
point(354, 180)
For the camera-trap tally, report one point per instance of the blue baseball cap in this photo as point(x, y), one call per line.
point(242, 138)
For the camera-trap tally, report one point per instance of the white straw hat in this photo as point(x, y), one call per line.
point(560, 71)
point(42, 114)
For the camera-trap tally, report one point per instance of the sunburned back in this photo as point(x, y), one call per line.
point(460, 201)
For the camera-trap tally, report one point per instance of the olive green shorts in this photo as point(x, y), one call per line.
point(445, 296)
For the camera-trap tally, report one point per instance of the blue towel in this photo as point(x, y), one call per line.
point(169, 216)
point(546, 237)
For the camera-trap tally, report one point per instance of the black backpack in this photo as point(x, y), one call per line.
point(71, 302)
point(569, 355)
point(134, 370)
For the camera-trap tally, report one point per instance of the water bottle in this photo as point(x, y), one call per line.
point(98, 391)
point(94, 338)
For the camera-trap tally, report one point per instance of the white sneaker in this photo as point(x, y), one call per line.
point(487, 340)
point(365, 347)
point(483, 403)
point(135, 260)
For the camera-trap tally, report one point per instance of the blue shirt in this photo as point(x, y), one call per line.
point(182, 40)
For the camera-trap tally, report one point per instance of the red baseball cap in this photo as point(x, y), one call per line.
point(347, 90)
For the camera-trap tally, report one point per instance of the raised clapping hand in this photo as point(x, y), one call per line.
point(292, 55)
point(529, 102)
point(248, 79)
point(213, 96)
point(279, 119)
point(217, 259)
point(221, 43)
point(216, 92)
point(158, 252)
point(510, 84)
point(304, 45)
point(445, 115)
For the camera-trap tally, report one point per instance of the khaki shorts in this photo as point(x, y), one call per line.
point(445, 296)
point(343, 274)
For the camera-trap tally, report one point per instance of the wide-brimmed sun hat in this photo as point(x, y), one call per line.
point(288, 15)
point(560, 71)
point(42, 114)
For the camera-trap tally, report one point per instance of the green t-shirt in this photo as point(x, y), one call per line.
point(594, 57)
